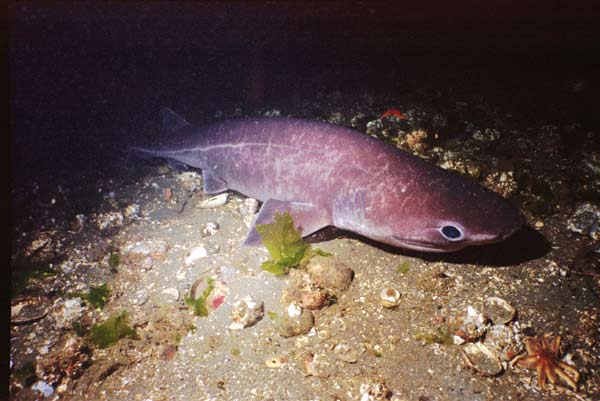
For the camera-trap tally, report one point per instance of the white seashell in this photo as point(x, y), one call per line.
point(214, 201)
point(389, 297)
point(195, 254)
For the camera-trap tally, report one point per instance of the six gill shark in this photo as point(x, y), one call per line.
point(324, 174)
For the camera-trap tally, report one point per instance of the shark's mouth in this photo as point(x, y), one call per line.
point(418, 245)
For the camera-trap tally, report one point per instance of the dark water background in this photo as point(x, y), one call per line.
point(87, 80)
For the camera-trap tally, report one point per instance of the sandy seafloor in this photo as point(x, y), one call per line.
point(79, 199)
point(150, 214)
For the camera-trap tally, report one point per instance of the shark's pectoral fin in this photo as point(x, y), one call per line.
point(307, 217)
point(212, 183)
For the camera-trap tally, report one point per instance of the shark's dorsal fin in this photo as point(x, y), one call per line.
point(171, 121)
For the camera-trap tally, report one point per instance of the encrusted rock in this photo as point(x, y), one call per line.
point(110, 220)
point(293, 324)
point(67, 312)
point(327, 273)
point(586, 220)
point(246, 312)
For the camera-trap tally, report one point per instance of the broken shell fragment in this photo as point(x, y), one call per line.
point(246, 312)
point(480, 358)
point(169, 295)
point(349, 352)
point(275, 363)
point(502, 342)
point(389, 297)
point(209, 229)
point(25, 310)
point(214, 201)
point(499, 311)
point(472, 325)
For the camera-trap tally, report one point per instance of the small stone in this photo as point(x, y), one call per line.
point(106, 221)
point(290, 326)
point(209, 229)
point(168, 352)
point(70, 311)
point(132, 212)
point(78, 223)
point(43, 387)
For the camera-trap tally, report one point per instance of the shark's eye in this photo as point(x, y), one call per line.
point(451, 233)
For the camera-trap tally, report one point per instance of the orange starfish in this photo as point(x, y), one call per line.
point(543, 356)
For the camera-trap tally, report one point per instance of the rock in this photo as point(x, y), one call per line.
point(290, 326)
point(246, 312)
point(327, 273)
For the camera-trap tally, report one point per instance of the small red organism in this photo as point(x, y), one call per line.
point(395, 113)
point(215, 303)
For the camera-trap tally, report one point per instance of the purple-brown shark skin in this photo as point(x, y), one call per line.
point(324, 174)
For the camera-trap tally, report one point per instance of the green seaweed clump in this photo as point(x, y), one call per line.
point(403, 267)
point(441, 337)
point(114, 258)
point(199, 304)
point(285, 245)
point(97, 296)
point(24, 271)
point(111, 331)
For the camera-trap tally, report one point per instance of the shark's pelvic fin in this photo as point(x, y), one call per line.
point(212, 183)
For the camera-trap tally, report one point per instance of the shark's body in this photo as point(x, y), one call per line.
point(323, 174)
